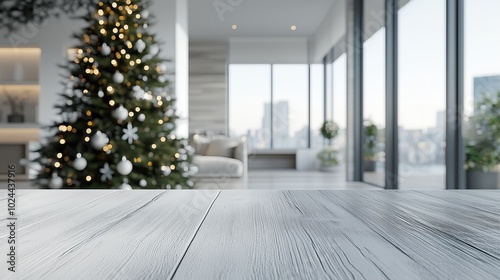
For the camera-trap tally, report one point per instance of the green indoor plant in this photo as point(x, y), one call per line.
point(482, 143)
point(370, 131)
point(328, 155)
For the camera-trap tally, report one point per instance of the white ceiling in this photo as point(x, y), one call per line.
point(255, 18)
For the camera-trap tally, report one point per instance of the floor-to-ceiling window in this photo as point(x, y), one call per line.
point(422, 94)
point(374, 92)
point(290, 110)
point(481, 126)
point(268, 104)
point(339, 96)
point(317, 104)
point(249, 99)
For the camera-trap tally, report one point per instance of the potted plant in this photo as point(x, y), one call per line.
point(482, 144)
point(369, 145)
point(328, 155)
point(16, 103)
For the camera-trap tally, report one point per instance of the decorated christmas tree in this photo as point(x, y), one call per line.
point(118, 115)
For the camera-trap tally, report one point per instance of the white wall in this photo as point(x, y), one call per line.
point(182, 67)
point(268, 50)
point(207, 87)
point(329, 33)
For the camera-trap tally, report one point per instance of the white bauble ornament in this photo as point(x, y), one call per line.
point(145, 14)
point(179, 187)
point(105, 49)
point(55, 182)
point(124, 167)
point(169, 113)
point(143, 183)
point(72, 117)
point(167, 171)
point(168, 126)
point(140, 45)
point(162, 79)
point(125, 186)
point(154, 49)
point(120, 113)
point(118, 77)
point(100, 93)
point(141, 117)
point(79, 163)
point(163, 67)
point(168, 187)
point(99, 140)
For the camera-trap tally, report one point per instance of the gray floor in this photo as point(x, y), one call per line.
point(286, 180)
point(268, 180)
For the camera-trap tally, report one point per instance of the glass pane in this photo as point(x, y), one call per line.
point(374, 108)
point(340, 107)
point(329, 91)
point(249, 99)
point(482, 93)
point(290, 106)
point(422, 94)
point(317, 99)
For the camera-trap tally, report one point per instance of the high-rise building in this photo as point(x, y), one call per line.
point(280, 125)
point(485, 86)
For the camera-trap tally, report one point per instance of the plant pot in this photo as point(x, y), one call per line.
point(482, 180)
point(328, 168)
point(15, 118)
point(369, 165)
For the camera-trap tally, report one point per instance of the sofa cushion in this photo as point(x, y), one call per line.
point(222, 147)
point(199, 143)
point(214, 166)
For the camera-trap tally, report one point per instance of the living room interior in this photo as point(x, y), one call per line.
point(270, 74)
point(250, 139)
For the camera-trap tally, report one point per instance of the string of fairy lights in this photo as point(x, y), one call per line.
point(124, 51)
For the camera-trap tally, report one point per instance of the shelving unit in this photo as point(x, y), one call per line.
point(19, 77)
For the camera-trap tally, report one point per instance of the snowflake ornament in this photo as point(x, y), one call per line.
point(107, 173)
point(138, 92)
point(130, 133)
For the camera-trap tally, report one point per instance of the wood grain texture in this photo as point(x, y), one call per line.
point(347, 235)
point(36, 207)
point(126, 235)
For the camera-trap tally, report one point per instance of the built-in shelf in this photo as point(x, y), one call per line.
point(18, 83)
point(19, 125)
point(19, 87)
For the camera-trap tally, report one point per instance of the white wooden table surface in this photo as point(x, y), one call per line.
point(253, 234)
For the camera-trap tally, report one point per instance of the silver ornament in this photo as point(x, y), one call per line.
point(143, 183)
point(141, 117)
point(99, 140)
point(55, 182)
point(140, 45)
point(124, 167)
point(154, 49)
point(118, 77)
point(145, 14)
point(125, 186)
point(105, 49)
point(120, 113)
point(79, 163)
point(167, 171)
